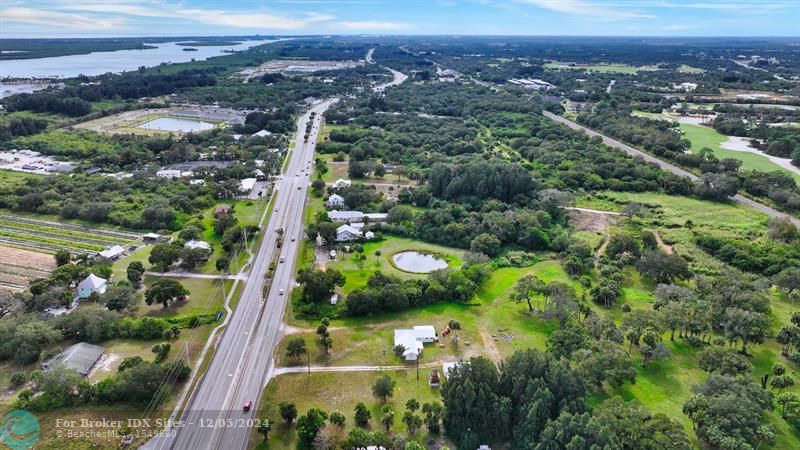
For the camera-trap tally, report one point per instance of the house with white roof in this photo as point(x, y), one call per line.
point(262, 133)
point(169, 173)
point(413, 340)
point(376, 217)
point(341, 183)
point(335, 201)
point(347, 233)
point(193, 244)
point(346, 216)
point(90, 285)
point(247, 185)
point(113, 252)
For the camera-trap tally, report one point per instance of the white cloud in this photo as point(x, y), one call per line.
point(588, 8)
point(678, 27)
point(57, 19)
point(373, 26)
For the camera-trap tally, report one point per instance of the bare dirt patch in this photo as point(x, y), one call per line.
point(589, 221)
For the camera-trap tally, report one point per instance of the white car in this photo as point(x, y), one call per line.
point(280, 292)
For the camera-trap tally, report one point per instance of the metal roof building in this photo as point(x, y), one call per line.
point(80, 357)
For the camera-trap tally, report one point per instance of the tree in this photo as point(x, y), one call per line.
point(164, 255)
point(383, 387)
point(318, 285)
point(785, 399)
point(387, 419)
point(564, 342)
point(570, 430)
point(717, 187)
point(337, 418)
point(526, 288)
point(433, 416)
point(412, 421)
point(135, 272)
point(62, 257)
point(722, 398)
point(724, 361)
point(412, 405)
point(563, 304)
point(161, 351)
point(636, 428)
point(264, 427)
point(163, 291)
point(485, 243)
point(606, 362)
point(119, 297)
point(788, 279)
point(308, 426)
point(362, 415)
point(747, 326)
point(296, 348)
point(662, 267)
point(288, 411)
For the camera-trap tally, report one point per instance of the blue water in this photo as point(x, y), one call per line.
point(173, 124)
point(98, 63)
point(418, 262)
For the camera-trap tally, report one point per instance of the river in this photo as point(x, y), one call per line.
point(98, 63)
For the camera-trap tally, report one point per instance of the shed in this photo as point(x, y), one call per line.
point(80, 357)
point(113, 252)
point(151, 237)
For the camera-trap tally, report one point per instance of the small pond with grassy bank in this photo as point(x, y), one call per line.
point(418, 262)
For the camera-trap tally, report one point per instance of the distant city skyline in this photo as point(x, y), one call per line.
point(106, 18)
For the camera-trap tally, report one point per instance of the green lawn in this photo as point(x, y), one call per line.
point(205, 297)
point(708, 137)
point(689, 69)
point(357, 272)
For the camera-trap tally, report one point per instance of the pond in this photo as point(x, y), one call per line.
point(173, 124)
point(417, 262)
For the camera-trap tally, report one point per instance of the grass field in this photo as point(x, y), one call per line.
point(600, 68)
point(339, 392)
point(689, 69)
point(708, 137)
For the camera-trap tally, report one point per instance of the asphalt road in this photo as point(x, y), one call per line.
point(214, 416)
point(666, 166)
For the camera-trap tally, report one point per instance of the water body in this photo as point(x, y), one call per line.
point(418, 262)
point(173, 124)
point(98, 63)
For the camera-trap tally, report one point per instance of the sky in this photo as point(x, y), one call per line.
point(88, 18)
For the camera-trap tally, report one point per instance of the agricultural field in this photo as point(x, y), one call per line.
point(18, 267)
point(47, 236)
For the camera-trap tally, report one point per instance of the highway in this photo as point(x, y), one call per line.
point(214, 416)
point(665, 165)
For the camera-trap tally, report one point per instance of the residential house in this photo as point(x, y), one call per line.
point(193, 244)
point(90, 285)
point(413, 340)
point(335, 201)
point(80, 357)
point(262, 133)
point(347, 233)
point(247, 185)
point(342, 183)
point(169, 173)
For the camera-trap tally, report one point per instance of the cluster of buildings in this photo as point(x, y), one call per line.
point(412, 340)
point(532, 83)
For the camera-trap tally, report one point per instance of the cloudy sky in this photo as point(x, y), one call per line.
point(60, 18)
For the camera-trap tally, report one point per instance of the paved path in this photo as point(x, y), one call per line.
point(666, 166)
point(595, 211)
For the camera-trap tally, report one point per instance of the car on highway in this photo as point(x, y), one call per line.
point(281, 259)
point(280, 292)
point(292, 238)
point(247, 405)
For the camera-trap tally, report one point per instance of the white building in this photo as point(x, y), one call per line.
point(376, 217)
point(335, 201)
point(247, 185)
point(262, 133)
point(197, 244)
point(345, 216)
point(112, 253)
point(90, 285)
point(168, 173)
point(341, 183)
point(413, 340)
point(346, 233)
